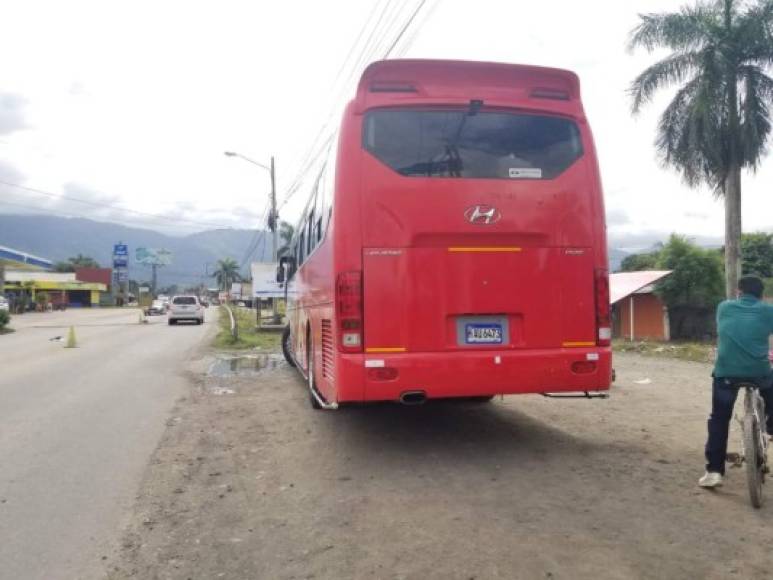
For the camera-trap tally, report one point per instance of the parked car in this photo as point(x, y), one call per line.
point(156, 307)
point(4, 303)
point(186, 308)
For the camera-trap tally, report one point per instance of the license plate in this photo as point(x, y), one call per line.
point(483, 334)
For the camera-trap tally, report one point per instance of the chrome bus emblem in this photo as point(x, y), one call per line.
point(482, 215)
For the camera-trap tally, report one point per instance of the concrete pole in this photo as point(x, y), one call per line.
point(274, 224)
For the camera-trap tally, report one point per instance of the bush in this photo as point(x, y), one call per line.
point(5, 318)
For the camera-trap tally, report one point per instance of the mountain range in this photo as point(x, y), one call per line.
point(194, 255)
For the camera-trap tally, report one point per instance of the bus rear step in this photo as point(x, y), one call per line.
point(583, 395)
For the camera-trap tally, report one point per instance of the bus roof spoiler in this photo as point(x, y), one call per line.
point(451, 81)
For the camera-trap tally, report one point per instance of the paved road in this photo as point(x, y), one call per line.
point(77, 427)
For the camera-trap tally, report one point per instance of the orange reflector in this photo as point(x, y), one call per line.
point(385, 349)
point(485, 249)
point(583, 367)
point(382, 374)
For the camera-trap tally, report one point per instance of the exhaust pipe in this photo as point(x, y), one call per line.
point(413, 397)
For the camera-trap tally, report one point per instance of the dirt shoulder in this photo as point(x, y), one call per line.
point(250, 482)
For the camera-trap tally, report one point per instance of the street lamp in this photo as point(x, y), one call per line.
point(273, 218)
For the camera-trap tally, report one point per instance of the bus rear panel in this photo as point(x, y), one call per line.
point(468, 243)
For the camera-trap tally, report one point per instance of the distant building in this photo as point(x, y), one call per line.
point(24, 274)
point(13, 259)
point(62, 288)
point(637, 312)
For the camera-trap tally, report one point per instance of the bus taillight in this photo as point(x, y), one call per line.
point(603, 323)
point(349, 310)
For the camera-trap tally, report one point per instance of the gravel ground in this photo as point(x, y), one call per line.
point(249, 482)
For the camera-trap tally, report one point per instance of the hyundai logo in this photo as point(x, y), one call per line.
point(482, 215)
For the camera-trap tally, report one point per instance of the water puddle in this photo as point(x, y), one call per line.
point(245, 364)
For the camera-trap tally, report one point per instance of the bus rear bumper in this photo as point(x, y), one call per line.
point(385, 377)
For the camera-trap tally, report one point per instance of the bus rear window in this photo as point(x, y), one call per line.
point(489, 145)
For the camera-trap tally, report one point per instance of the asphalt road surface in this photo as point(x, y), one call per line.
point(77, 427)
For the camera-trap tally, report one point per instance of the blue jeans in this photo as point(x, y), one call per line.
point(724, 394)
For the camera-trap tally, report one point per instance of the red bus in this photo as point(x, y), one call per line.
point(454, 242)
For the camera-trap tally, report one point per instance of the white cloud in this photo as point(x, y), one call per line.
point(140, 100)
point(12, 113)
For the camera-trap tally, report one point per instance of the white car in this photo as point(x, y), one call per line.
point(4, 303)
point(185, 308)
point(156, 307)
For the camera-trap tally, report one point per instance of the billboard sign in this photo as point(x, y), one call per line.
point(150, 256)
point(120, 261)
point(122, 276)
point(264, 284)
point(120, 250)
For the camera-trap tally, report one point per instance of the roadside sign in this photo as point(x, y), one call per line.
point(120, 261)
point(157, 256)
point(144, 289)
point(264, 284)
point(122, 276)
point(120, 250)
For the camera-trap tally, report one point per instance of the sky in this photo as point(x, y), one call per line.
point(132, 104)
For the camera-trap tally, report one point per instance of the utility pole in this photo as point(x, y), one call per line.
point(274, 225)
point(153, 267)
point(273, 219)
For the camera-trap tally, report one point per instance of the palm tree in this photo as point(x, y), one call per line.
point(226, 272)
point(286, 233)
point(718, 122)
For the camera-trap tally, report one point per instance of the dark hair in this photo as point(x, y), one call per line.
point(751, 285)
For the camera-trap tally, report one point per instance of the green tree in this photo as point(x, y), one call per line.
point(757, 252)
point(226, 272)
point(696, 278)
point(718, 121)
point(286, 233)
point(636, 262)
point(79, 261)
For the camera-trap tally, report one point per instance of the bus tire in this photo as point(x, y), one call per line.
point(286, 350)
point(310, 371)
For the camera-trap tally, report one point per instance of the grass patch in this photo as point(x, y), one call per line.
point(694, 351)
point(250, 337)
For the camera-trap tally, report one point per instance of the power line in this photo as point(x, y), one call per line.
point(314, 151)
point(405, 27)
point(111, 206)
point(367, 51)
point(252, 246)
point(428, 13)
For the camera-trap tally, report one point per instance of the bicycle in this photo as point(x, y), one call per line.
point(754, 441)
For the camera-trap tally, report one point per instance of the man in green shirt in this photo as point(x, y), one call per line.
point(744, 326)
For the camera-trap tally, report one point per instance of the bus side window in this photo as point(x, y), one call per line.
point(309, 236)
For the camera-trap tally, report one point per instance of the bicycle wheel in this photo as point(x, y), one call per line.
point(752, 459)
